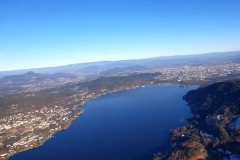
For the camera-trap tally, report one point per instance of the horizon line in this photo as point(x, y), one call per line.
point(191, 54)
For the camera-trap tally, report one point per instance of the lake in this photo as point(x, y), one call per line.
point(127, 125)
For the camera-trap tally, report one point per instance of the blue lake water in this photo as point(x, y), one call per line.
point(127, 125)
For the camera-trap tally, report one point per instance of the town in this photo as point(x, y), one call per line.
point(20, 131)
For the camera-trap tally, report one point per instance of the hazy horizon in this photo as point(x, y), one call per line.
point(120, 60)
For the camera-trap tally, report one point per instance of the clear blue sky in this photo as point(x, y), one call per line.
point(41, 33)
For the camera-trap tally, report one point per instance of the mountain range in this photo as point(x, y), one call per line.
point(106, 67)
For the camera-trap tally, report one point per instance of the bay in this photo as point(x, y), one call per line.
point(127, 125)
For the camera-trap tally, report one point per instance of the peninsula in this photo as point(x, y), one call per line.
point(213, 131)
